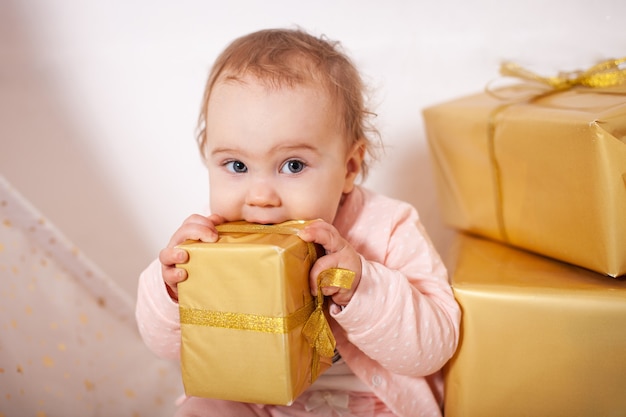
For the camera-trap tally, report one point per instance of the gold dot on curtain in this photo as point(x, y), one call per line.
point(48, 362)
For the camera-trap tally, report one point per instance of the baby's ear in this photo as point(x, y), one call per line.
point(354, 162)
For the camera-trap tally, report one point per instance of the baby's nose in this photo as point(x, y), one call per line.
point(262, 193)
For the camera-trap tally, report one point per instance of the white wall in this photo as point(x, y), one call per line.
point(98, 100)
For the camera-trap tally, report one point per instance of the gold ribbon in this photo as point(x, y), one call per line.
point(609, 73)
point(253, 322)
point(316, 330)
point(243, 321)
point(606, 74)
point(291, 227)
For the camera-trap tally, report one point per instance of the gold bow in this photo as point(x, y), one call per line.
point(316, 330)
point(607, 73)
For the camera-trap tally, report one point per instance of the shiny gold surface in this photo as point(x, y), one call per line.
point(544, 173)
point(261, 279)
point(538, 338)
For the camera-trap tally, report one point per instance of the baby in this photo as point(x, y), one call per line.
point(284, 134)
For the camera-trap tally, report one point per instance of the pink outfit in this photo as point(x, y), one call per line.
point(399, 329)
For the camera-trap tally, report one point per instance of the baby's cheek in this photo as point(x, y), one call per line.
point(226, 206)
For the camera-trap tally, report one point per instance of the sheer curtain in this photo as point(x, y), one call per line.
point(68, 340)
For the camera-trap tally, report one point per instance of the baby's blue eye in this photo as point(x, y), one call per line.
point(293, 166)
point(236, 166)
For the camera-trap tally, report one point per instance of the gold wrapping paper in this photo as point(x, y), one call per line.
point(546, 174)
point(243, 308)
point(539, 337)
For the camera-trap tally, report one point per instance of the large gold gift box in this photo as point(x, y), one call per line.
point(539, 337)
point(546, 174)
point(242, 309)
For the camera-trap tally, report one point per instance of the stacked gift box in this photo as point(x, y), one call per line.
point(535, 182)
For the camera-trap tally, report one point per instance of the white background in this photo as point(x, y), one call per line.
point(99, 99)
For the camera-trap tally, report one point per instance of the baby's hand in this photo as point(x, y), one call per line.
point(339, 254)
point(195, 227)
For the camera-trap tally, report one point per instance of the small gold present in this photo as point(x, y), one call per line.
point(539, 337)
point(544, 172)
point(250, 329)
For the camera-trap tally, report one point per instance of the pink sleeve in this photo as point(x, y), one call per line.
point(403, 314)
point(157, 314)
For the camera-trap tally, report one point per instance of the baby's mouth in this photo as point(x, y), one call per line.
point(263, 221)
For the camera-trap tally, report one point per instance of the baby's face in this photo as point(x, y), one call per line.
point(276, 153)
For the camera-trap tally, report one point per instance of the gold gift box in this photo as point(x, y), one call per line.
point(243, 308)
point(539, 337)
point(546, 174)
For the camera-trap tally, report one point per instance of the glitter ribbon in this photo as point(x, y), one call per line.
point(609, 73)
point(253, 322)
point(317, 330)
point(291, 227)
point(243, 321)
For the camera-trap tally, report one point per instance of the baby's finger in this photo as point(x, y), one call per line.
point(194, 231)
point(324, 234)
point(173, 256)
point(328, 291)
point(172, 277)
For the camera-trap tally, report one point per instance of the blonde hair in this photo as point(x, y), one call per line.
point(289, 57)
